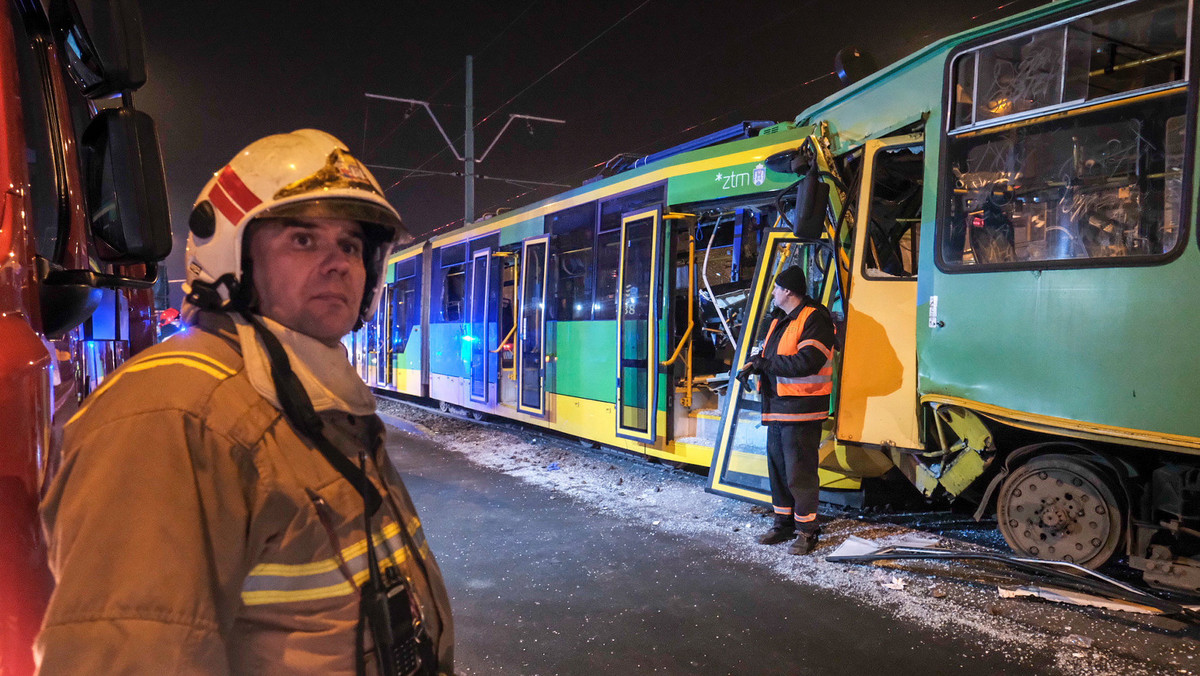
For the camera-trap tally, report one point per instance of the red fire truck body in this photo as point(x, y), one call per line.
point(82, 223)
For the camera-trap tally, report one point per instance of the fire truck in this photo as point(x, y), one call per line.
point(83, 224)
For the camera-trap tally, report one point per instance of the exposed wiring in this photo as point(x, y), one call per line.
point(707, 288)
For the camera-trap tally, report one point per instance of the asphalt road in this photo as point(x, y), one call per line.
point(544, 583)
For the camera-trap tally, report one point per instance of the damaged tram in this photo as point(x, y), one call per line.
point(1000, 224)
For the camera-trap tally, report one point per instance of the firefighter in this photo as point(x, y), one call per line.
point(213, 507)
point(795, 369)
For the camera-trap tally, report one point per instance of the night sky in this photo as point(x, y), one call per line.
point(633, 76)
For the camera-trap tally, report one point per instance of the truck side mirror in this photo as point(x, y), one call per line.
point(812, 194)
point(126, 188)
point(812, 201)
point(103, 43)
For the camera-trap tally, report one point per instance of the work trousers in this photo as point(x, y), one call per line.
point(792, 468)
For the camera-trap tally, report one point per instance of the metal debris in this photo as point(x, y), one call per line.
point(1066, 573)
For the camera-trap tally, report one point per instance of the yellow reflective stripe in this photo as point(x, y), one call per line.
point(344, 588)
point(390, 530)
point(197, 356)
point(296, 569)
point(259, 598)
point(192, 360)
point(219, 374)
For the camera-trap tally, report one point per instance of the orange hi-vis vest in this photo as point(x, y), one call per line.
point(815, 388)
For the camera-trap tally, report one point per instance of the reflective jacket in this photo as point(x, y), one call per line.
point(797, 365)
point(192, 531)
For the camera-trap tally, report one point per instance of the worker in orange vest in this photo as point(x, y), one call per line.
point(795, 367)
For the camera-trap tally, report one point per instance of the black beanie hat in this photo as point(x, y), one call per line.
point(793, 280)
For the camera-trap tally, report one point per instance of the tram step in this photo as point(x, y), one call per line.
point(707, 422)
point(706, 442)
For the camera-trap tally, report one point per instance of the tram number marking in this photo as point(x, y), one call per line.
point(734, 181)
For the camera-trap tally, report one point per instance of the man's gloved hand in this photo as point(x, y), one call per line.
point(755, 364)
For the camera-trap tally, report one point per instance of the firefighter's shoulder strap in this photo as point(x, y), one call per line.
point(299, 411)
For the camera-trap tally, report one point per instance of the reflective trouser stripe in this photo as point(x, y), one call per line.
point(795, 417)
point(806, 518)
point(782, 510)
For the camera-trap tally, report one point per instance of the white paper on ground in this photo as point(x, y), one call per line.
point(855, 546)
point(1075, 598)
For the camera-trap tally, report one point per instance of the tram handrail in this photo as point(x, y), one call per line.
point(687, 395)
point(511, 332)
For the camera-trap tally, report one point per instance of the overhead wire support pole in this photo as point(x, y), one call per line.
point(469, 148)
point(512, 117)
point(425, 105)
point(467, 157)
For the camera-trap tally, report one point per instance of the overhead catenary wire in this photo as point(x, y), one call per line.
point(529, 86)
point(441, 87)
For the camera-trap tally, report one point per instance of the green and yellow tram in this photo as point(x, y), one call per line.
point(1006, 245)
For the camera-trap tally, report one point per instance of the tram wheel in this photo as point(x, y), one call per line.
point(444, 406)
point(1060, 507)
point(477, 415)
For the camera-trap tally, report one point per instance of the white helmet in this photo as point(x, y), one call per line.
point(305, 173)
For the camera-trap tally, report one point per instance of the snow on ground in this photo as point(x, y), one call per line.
point(952, 598)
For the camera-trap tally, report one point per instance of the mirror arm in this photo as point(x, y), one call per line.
point(101, 280)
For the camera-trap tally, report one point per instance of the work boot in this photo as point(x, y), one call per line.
point(782, 531)
point(804, 544)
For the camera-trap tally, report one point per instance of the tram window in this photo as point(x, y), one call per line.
point(454, 284)
point(608, 247)
point(610, 211)
point(573, 256)
point(574, 296)
point(1104, 183)
point(894, 216)
point(1110, 52)
point(404, 306)
point(407, 268)
point(454, 254)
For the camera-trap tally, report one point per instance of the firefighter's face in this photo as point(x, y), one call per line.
point(309, 274)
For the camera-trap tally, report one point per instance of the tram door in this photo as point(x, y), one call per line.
point(531, 331)
point(740, 459)
point(373, 354)
point(483, 324)
point(877, 400)
point(386, 348)
point(637, 326)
